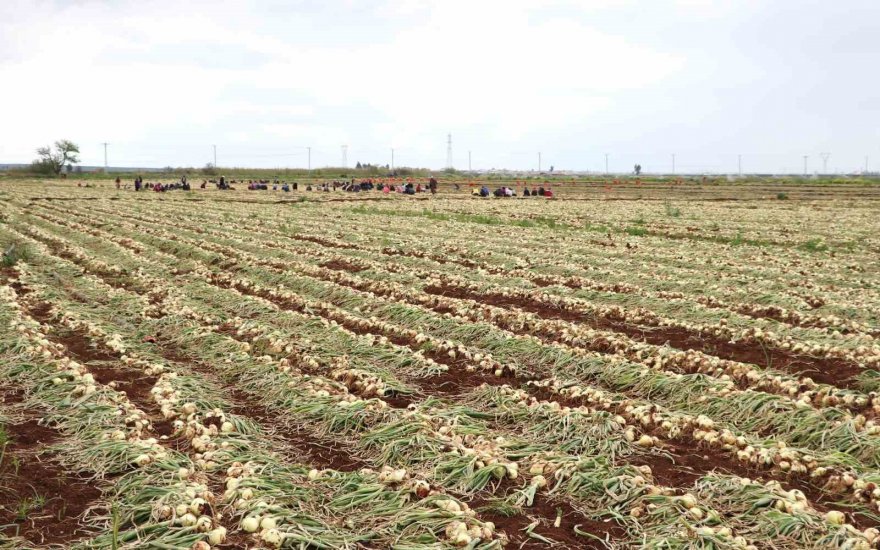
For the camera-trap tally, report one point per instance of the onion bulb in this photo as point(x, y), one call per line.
point(835, 517)
point(250, 524)
point(217, 536)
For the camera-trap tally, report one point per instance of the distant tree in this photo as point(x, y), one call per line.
point(551, 167)
point(637, 169)
point(209, 170)
point(358, 165)
point(53, 159)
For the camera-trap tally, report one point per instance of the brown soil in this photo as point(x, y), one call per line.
point(456, 381)
point(824, 370)
point(464, 262)
point(107, 369)
point(398, 400)
point(545, 511)
point(238, 541)
point(684, 461)
point(26, 475)
point(40, 311)
point(341, 265)
point(772, 313)
point(321, 453)
point(17, 286)
point(832, 371)
point(112, 278)
point(688, 462)
point(78, 347)
point(30, 434)
point(323, 242)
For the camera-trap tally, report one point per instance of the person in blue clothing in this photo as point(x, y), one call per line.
point(484, 191)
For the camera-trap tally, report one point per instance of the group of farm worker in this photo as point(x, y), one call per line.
point(390, 185)
point(157, 187)
point(505, 191)
point(352, 186)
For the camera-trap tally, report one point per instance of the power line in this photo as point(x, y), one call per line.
point(269, 155)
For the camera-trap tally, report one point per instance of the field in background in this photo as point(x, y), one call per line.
point(595, 187)
point(624, 366)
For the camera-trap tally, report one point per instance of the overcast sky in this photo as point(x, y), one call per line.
point(162, 81)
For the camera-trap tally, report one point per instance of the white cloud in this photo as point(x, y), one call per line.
point(172, 78)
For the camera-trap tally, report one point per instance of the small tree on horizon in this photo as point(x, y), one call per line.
point(65, 152)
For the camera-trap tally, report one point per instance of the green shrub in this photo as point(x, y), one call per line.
point(672, 211)
point(814, 245)
point(637, 231)
point(13, 253)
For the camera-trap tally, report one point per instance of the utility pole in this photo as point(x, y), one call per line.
point(310, 159)
point(345, 156)
point(469, 162)
point(824, 162)
point(105, 157)
point(866, 164)
point(739, 164)
point(449, 151)
point(606, 164)
point(392, 159)
point(805, 164)
point(215, 156)
point(673, 164)
point(539, 162)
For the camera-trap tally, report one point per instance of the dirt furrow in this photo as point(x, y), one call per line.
point(41, 500)
point(835, 372)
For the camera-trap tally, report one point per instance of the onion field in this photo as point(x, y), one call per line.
point(214, 369)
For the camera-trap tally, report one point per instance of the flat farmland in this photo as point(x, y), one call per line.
point(618, 367)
